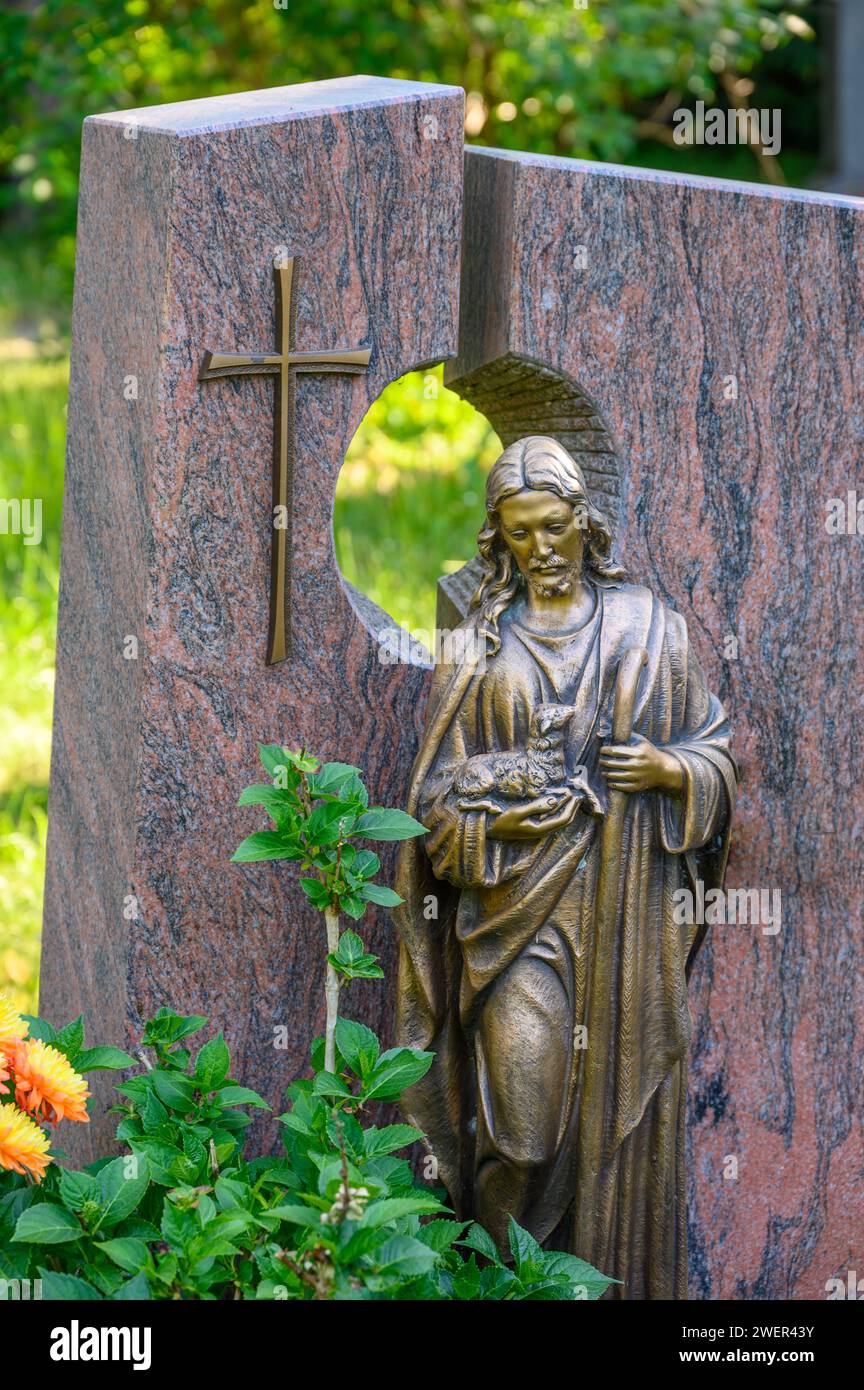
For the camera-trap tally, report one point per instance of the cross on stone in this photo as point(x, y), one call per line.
point(284, 364)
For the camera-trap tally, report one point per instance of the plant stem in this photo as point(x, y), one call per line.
point(331, 990)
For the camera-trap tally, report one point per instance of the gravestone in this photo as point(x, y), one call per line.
point(305, 231)
point(696, 344)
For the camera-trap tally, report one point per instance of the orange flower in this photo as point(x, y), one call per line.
point(23, 1145)
point(46, 1084)
point(4, 1074)
point(12, 1026)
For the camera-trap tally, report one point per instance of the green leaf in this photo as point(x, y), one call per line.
point(350, 949)
point(379, 823)
point(467, 1280)
point(397, 1069)
point(174, 1089)
point(137, 1088)
point(15, 1264)
point(104, 1059)
point(377, 893)
point(346, 1125)
point(46, 1224)
point(330, 776)
point(365, 969)
point(388, 1139)
point(119, 1193)
point(212, 1064)
point(480, 1240)
point(241, 1095)
point(280, 804)
point(582, 1279)
point(70, 1039)
point(168, 1164)
point(330, 822)
point(230, 1193)
point(76, 1189)
point(317, 892)
point(64, 1288)
point(141, 1230)
point(40, 1029)
point(167, 1027)
point(179, 1224)
point(136, 1289)
point(296, 1215)
point(274, 759)
point(405, 1256)
point(358, 1045)
point(366, 863)
point(440, 1235)
point(353, 904)
point(328, 1084)
point(354, 1243)
point(352, 960)
point(300, 758)
point(154, 1117)
point(194, 1149)
point(498, 1282)
point(263, 845)
point(394, 1208)
point(13, 1203)
point(130, 1254)
point(355, 792)
point(526, 1252)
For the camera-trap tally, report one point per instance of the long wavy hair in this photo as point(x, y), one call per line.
point(542, 464)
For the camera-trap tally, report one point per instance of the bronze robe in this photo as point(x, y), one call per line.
point(498, 984)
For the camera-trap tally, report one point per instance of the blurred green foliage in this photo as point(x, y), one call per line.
point(32, 435)
point(411, 492)
point(598, 80)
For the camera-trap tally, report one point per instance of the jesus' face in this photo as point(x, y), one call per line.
point(546, 534)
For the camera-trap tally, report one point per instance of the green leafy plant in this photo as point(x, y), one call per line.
point(182, 1214)
point(339, 1214)
point(319, 813)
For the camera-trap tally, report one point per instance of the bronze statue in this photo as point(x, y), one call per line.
point(574, 773)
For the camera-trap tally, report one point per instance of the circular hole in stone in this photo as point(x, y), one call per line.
point(409, 499)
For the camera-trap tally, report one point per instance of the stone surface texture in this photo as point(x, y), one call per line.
point(608, 306)
point(648, 292)
point(167, 539)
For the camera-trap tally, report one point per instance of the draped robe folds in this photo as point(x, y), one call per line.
point(497, 948)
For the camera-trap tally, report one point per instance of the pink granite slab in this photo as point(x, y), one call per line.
point(619, 300)
point(167, 538)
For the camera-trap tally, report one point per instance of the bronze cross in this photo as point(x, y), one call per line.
point(284, 365)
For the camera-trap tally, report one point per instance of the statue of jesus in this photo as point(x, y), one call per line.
point(542, 958)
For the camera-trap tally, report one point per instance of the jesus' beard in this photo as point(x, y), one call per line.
point(553, 586)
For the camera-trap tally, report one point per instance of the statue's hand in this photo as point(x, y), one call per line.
point(640, 767)
point(532, 820)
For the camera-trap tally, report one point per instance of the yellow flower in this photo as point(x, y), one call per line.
point(23, 1145)
point(12, 1026)
point(46, 1084)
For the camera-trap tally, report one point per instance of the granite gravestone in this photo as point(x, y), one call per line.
point(696, 345)
point(344, 198)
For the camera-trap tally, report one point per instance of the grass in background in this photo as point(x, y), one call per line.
point(408, 507)
point(32, 438)
point(409, 501)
